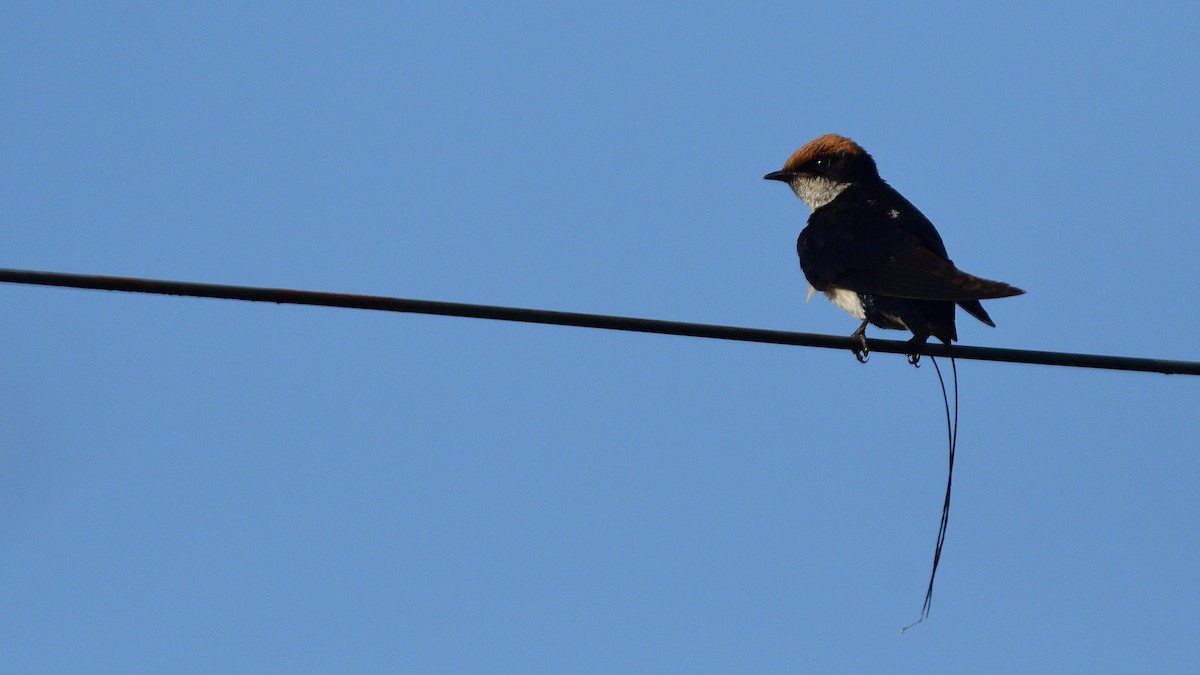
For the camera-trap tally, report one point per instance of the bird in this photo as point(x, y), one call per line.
point(872, 253)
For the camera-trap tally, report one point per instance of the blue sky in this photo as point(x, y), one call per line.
point(211, 486)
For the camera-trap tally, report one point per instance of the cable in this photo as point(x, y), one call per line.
point(601, 321)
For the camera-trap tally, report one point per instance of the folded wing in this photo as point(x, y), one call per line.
point(921, 274)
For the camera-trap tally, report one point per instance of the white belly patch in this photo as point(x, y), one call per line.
point(847, 300)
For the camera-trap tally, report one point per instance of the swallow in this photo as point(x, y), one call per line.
point(872, 253)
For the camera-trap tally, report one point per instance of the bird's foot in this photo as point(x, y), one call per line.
point(862, 354)
point(916, 343)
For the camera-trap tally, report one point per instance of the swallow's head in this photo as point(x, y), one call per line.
point(824, 168)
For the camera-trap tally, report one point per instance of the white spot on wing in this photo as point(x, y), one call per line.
point(893, 214)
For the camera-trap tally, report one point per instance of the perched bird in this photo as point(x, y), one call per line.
point(872, 253)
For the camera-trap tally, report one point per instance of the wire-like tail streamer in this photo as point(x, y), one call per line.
point(952, 439)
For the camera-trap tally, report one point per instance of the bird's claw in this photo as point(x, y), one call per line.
point(862, 354)
point(917, 343)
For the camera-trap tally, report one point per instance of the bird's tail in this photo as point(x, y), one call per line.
point(975, 309)
point(952, 439)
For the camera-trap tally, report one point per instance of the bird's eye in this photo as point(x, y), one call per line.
point(821, 163)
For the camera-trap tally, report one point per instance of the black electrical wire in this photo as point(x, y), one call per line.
point(601, 321)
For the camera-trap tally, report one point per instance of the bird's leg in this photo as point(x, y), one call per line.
point(916, 343)
point(861, 354)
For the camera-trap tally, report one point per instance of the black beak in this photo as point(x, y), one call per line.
point(784, 176)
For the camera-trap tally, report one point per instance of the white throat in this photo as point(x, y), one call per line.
point(816, 191)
